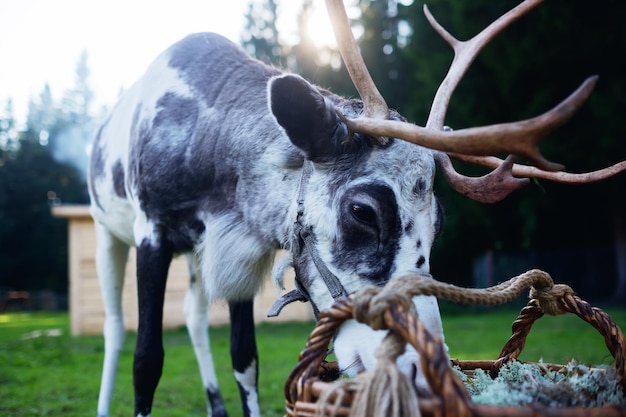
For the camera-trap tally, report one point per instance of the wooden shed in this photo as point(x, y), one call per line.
point(86, 307)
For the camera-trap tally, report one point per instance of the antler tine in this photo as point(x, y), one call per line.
point(533, 172)
point(489, 188)
point(374, 104)
point(464, 54)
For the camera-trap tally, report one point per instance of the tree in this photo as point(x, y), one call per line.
point(526, 70)
point(262, 40)
point(9, 143)
point(34, 177)
point(77, 101)
point(75, 121)
point(261, 37)
point(34, 254)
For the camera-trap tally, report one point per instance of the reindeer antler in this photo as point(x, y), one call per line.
point(477, 144)
point(375, 106)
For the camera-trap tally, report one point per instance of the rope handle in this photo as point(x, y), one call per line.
point(600, 320)
point(391, 308)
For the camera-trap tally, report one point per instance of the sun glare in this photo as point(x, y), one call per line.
point(319, 30)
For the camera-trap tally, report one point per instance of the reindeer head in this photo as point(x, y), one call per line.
point(366, 209)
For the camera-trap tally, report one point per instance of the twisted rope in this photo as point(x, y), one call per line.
point(372, 301)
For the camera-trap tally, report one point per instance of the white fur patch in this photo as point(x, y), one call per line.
point(143, 229)
point(233, 262)
point(279, 270)
point(356, 343)
point(247, 380)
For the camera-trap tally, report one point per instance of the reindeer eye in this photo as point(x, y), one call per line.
point(364, 214)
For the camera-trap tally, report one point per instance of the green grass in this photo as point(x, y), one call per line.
point(553, 339)
point(60, 375)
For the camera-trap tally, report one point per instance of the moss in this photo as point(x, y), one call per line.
point(520, 384)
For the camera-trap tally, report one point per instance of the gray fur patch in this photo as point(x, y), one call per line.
point(118, 179)
point(96, 165)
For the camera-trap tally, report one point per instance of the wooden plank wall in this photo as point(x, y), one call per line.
point(86, 307)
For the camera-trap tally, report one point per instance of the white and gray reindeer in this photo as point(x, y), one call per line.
point(217, 156)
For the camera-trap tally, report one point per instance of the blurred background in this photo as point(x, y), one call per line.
point(64, 63)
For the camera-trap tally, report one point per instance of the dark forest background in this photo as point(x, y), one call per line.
point(575, 232)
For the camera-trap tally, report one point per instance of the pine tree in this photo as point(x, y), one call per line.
point(260, 37)
point(33, 178)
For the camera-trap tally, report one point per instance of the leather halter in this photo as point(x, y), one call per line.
point(304, 239)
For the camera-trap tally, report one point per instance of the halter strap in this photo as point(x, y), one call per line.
point(303, 239)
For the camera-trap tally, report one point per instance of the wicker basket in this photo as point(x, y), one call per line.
point(312, 378)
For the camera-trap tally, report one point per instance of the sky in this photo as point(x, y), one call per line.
point(41, 40)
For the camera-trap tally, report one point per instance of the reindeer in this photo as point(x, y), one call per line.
point(217, 156)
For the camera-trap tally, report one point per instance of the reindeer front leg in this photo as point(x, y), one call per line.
point(244, 356)
point(153, 261)
point(197, 325)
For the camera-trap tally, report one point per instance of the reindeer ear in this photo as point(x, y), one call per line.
point(309, 120)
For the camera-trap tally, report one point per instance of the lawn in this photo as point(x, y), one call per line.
point(45, 371)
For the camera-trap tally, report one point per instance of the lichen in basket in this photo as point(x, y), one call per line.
point(519, 384)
